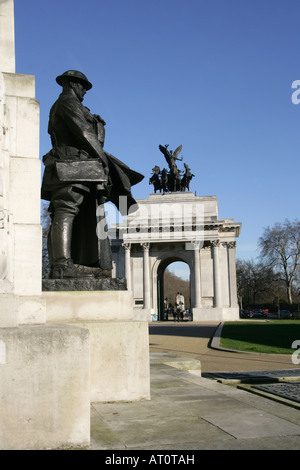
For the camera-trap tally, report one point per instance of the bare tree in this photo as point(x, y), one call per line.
point(280, 247)
point(255, 279)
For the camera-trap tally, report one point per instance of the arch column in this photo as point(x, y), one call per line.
point(146, 275)
point(197, 275)
point(232, 287)
point(216, 273)
point(127, 248)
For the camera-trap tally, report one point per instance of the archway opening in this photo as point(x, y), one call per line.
point(174, 292)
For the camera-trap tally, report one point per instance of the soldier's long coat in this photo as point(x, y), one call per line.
point(77, 136)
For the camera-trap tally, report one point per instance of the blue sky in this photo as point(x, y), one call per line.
point(212, 75)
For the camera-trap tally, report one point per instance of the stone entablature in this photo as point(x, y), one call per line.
point(179, 227)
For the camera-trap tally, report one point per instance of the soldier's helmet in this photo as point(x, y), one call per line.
point(74, 75)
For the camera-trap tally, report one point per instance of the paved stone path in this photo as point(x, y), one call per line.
point(192, 412)
point(191, 339)
point(189, 412)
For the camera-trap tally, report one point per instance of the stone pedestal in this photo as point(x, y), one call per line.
point(88, 306)
point(45, 388)
point(119, 360)
point(87, 285)
point(119, 345)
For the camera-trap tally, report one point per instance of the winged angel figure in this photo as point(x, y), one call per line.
point(171, 156)
point(174, 183)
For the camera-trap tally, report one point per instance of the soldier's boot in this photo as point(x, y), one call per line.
point(60, 242)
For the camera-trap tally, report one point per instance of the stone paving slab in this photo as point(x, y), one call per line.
point(252, 423)
point(189, 412)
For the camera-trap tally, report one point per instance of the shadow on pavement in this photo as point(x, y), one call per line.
point(186, 329)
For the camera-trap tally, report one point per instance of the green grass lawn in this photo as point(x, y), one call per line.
point(272, 337)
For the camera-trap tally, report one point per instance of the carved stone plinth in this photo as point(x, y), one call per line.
point(89, 285)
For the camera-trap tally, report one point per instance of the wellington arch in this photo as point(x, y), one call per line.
point(178, 226)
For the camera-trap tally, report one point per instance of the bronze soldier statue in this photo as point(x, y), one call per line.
point(78, 176)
